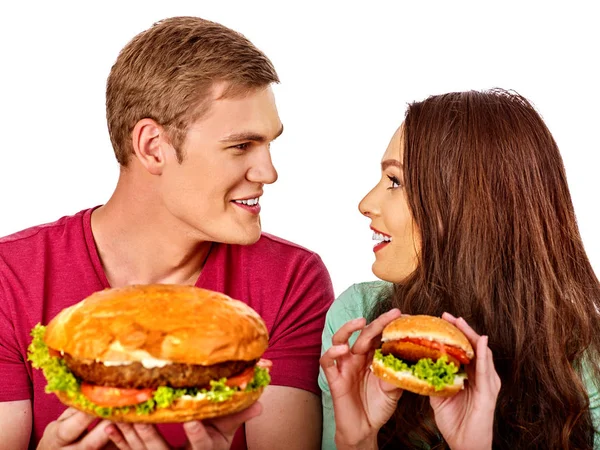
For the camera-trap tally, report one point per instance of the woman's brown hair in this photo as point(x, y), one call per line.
point(500, 247)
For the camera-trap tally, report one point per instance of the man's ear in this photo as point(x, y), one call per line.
point(149, 142)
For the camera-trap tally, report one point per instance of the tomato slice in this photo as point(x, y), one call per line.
point(457, 353)
point(242, 379)
point(111, 396)
point(54, 353)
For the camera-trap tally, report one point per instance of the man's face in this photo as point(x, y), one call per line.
point(215, 191)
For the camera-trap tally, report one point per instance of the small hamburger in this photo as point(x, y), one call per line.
point(154, 353)
point(424, 355)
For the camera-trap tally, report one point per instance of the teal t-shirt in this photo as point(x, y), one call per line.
point(356, 302)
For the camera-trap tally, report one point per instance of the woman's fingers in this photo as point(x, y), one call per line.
point(463, 326)
point(449, 318)
point(328, 361)
point(486, 378)
point(372, 332)
point(342, 335)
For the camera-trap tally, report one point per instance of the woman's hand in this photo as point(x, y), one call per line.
point(212, 434)
point(466, 420)
point(362, 402)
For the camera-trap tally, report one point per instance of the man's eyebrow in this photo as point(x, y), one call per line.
point(391, 162)
point(250, 136)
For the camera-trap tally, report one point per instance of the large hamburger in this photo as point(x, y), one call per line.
point(155, 353)
point(424, 355)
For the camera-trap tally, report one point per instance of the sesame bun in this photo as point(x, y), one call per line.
point(427, 327)
point(180, 324)
point(182, 409)
point(409, 382)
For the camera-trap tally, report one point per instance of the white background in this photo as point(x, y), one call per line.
point(347, 72)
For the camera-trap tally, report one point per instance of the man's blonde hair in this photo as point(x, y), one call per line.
point(166, 73)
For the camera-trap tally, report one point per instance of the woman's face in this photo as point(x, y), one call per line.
point(398, 240)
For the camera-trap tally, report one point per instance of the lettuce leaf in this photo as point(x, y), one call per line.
point(439, 373)
point(60, 378)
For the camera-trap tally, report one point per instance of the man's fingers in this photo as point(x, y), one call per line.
point(197, 435)
point(131, 437)
point(150, 436)
point(342, 335)
point(67, 413)
point(114, 434)
point(371, 332)
point(71, 426)
point(95, 439)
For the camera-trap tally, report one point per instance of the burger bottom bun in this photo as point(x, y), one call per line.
point(409, 382)
point(181, 410)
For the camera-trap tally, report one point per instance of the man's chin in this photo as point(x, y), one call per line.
point(243, 237)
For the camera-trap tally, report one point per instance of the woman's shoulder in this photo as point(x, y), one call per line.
point(356, 301)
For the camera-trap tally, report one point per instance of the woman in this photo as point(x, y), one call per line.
point(476, 222)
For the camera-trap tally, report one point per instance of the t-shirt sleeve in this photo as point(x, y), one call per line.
point(12, 363)
point(348, 306)
point(295, 341)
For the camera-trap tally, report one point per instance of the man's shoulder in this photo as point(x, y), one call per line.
point(37, 237)
point(268, 239)
point(273, 246)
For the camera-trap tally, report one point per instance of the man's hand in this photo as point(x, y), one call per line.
point(69, 432)
point(214, 434)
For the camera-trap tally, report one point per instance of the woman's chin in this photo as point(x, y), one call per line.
point(392, 274)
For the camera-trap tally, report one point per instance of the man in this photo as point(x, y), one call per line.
point(191, 115)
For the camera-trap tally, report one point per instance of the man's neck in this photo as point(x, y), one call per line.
point(137, 246)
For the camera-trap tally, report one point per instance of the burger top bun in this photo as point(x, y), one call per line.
point(427, 327)
point(179, 324)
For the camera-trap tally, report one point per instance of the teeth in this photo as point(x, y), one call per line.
point(249, 202)
point(381, 237)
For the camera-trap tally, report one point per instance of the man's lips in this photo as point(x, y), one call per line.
point(249, 203)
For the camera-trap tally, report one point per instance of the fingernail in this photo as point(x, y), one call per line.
point(193, 425)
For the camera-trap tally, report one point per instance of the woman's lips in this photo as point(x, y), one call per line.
point(380, 246)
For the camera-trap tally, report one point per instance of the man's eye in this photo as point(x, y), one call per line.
point(243, 146)
point(395, 182)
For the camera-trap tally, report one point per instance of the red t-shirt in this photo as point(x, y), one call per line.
point(49, 267)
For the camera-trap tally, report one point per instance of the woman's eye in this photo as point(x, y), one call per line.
point(395, 182)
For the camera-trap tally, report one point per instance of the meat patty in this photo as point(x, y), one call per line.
point(135, 375)
point(410, 351)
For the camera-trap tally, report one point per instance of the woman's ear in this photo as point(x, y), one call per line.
point(149, 139)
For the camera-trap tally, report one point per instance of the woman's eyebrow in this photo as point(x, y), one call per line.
point(390, 162)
